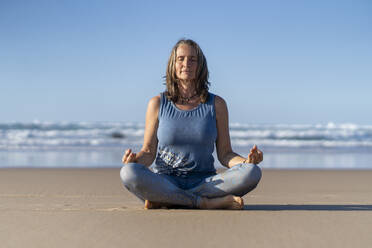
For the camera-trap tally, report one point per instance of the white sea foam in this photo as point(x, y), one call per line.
point(60, 135)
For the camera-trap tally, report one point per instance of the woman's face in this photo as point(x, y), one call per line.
point(186, 62)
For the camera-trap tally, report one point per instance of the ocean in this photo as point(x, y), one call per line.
point(101, 144)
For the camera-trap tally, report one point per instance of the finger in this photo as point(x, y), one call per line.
point(261, 156)
point(258, 158)
point(254, 155)
point(250, 158)
point(132, 157)
point(125, 156)
point(127, 152)
point(125, 159)
point(255, 158)
point(253, 149)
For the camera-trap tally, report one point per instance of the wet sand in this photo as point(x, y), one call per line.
point(90, 208)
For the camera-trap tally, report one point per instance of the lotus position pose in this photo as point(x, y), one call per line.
point(182, 126)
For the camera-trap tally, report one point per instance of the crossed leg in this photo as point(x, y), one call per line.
point(223, 190)
point(161, 188)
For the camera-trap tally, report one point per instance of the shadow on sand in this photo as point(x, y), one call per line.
point(268, 207)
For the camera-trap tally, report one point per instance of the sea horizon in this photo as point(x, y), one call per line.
point(101, 144)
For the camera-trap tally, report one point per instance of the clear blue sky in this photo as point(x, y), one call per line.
point(272, 61)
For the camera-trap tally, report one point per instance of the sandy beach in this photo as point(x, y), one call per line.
point(90, 208)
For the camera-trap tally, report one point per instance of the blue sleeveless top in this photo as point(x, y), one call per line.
point(186, 139)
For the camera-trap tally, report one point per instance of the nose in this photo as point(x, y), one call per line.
point(187, 62)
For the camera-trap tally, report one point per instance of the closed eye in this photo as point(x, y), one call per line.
point(181, 58)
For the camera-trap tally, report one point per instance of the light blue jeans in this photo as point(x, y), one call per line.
point(147, 185)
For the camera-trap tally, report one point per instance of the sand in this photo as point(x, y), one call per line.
point(90, 208)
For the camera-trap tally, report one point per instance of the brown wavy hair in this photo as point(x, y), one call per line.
point(202, 73)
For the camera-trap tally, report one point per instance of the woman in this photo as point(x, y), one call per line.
point(182, 126)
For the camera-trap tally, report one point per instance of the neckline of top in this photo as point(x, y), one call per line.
point(185, 110)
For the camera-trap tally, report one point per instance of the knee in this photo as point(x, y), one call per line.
point(129, 173)
point(251, 176)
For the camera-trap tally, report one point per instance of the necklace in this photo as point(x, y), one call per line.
point(187, 99)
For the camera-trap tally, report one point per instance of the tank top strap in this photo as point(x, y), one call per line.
point(163, 103)
point(210, 103)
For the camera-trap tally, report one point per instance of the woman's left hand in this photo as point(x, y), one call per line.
point(255, 156)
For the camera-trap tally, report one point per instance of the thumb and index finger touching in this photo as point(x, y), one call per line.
point(128, 156)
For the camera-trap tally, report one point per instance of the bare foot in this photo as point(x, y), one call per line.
point(152, 205)
point(157, 205)
point(226, 202)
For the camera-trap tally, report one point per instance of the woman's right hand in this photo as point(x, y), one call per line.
point(129, 157)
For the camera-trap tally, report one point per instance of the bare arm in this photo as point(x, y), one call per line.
point(147, 153)
point(225, 154)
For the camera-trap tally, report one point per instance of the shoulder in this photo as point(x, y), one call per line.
point(155, 100)
point(219, 103)
point(220, 107)
point(154, 103)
